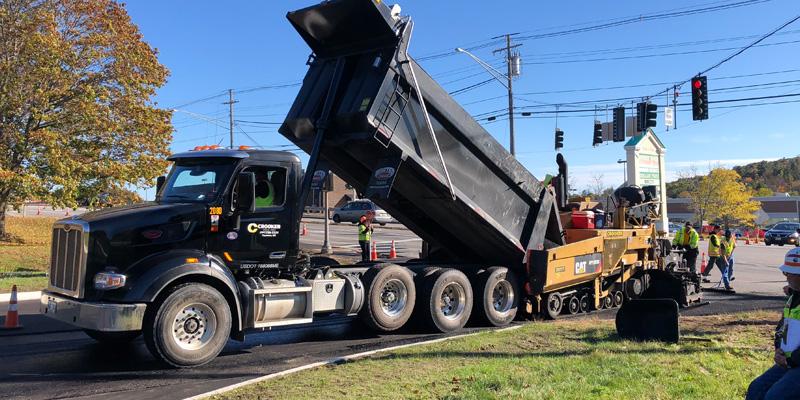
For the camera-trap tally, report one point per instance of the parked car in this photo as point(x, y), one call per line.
point(783, 233)
point(673, 229)
point(353, 211)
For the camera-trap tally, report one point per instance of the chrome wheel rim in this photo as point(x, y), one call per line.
point(502, 297)
point(452, 301)
point(394, 297)
point(194, 326)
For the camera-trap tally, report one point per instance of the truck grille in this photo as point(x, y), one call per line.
point(68, 257)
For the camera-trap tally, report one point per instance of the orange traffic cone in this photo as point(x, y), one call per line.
point(756, 238)
point(304, 229)
point(703, 264)
point(392, 252)
point(12, 318)
point(67, 213)
point(374, 251)
point(39, 211)
point(747, 239)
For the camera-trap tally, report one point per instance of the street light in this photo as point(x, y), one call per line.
point(624, 165)
point(496, 75)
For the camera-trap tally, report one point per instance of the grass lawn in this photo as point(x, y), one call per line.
point(24, 260)
point(575, 359)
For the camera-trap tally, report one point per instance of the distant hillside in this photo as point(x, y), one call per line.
point(766, 177)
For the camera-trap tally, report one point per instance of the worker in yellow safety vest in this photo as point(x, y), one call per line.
point(729, 244)
point(364, 237)
point(780, 381)
point(265, 193)
point(716, 257)
point(686, 239)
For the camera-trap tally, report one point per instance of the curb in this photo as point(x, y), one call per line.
point(337, 360)
point(21, 296)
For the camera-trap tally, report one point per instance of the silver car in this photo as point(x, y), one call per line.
point(353, 211)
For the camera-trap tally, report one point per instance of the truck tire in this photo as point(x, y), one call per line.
point(619, 298)
point(553, 305)
point(113, 337)
point(447, 297)
point(189, 327)
point(390, 297)
point(584, 302)
point(497, 296)
point(574, 305)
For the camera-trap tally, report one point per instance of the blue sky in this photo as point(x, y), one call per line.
point(250, 47)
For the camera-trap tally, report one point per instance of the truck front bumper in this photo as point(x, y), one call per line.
point(96, 316)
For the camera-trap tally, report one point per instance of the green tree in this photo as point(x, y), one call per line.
point(763, 192)
point(76, 102)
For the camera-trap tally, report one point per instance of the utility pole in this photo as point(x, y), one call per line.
point(513, 70)
point(231, 102)
point(513, 62)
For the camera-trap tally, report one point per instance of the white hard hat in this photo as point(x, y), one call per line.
point(792, 262)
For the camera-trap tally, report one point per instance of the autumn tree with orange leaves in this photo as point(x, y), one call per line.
point(76, 102)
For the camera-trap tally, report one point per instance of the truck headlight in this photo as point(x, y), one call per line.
point(108, 281)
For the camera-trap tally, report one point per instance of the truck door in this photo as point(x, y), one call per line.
point(263, 241)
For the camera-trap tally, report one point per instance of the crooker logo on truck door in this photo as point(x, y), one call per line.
point(264, 230)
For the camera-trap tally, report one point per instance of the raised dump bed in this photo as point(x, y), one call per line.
point(443, 176)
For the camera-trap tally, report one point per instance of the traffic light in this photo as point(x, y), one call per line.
point(619, 124)
point(699, 98)
point(645, 116)
point(598, 134)
point(559, 139)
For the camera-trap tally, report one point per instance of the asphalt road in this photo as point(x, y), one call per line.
point(46, 359)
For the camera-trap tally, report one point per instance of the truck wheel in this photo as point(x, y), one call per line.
point(448, 300)
point(390, 297)
point(189, 327)
point(608, 302)
point(618, 298)
point(112, 337)
point(497, 296)
point(635, 288)
point(554, 304)
point(337, 219)
point(584, 303)
point(574, 305)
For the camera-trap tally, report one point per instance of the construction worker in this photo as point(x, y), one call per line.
point(780, 381)
point(716, 257)
point(686, 239)
point(364, 237)
point(729, 244)
point(265, 193)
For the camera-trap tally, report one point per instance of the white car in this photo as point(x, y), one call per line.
point(673, 229)
point(353, 211)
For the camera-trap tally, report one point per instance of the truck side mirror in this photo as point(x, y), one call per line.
point(160, 183)
point(245, 193)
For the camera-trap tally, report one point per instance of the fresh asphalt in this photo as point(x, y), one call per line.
point(47, 359)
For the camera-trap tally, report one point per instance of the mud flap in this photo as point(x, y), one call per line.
point(651, 319)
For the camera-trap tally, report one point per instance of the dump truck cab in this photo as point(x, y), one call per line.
point(251, 201)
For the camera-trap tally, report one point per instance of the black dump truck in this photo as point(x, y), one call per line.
point(217, 253)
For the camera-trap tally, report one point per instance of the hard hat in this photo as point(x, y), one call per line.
point(363, 218)
point(792, 262)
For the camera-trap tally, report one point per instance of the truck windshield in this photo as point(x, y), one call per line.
point(196, 180)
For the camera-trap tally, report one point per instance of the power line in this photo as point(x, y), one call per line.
point(605, 25)
point(742, 50)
